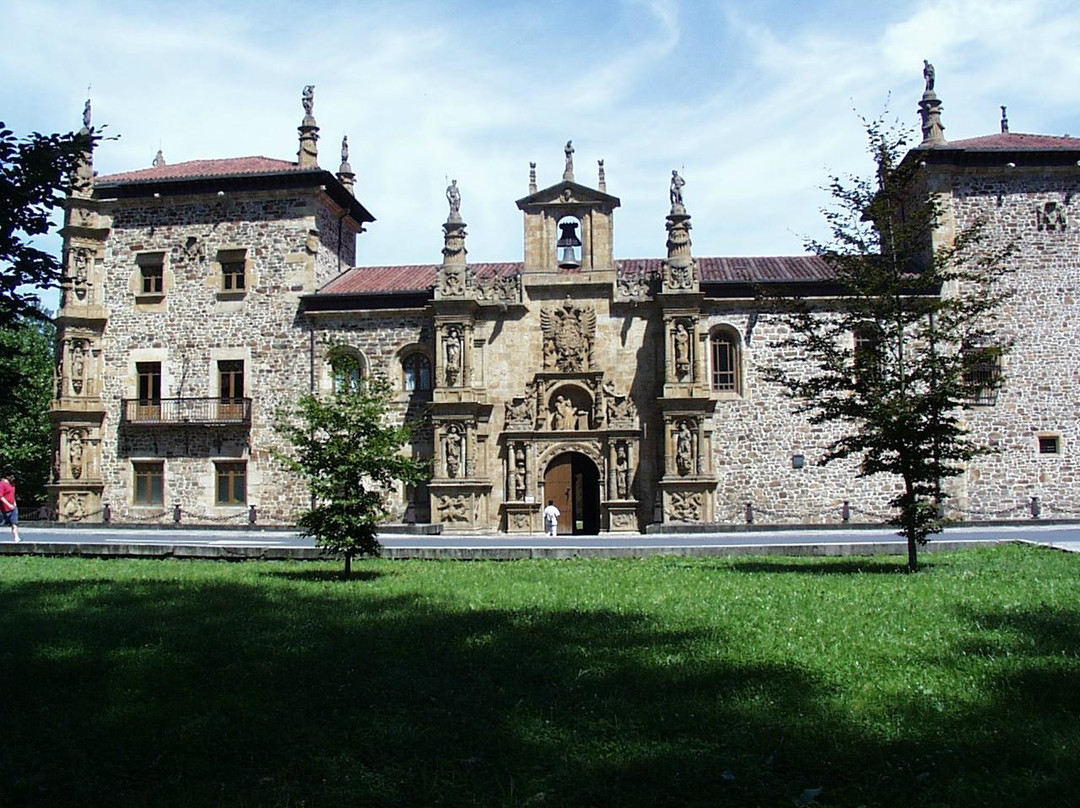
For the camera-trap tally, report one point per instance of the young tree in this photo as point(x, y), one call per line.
point(349, 451)
point(26, 373)
point(35, 174)
point(895, 358)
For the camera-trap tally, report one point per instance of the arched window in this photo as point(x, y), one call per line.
point(416, 372)
point(724, 351)
point(347, 369)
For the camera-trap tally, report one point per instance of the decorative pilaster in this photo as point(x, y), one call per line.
point(308, 156)
point(77, 410)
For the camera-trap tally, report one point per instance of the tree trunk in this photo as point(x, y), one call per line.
point(911, 526)
point(348, 565)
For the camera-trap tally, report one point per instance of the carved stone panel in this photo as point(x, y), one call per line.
point(568, 333)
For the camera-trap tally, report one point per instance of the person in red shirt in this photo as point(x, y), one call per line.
point(9, 511)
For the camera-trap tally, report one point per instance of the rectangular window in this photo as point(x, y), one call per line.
point(152, 272)
point(149, 487)
point(231, 388)
point(231, 482)
point(233, 270)
point(1049, 444)
point(724, 364)
point(982, 374)
point(149, 405)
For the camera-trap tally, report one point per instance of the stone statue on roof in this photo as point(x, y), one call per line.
point(568, 172)
point(344, 148)
point(677, 184)
point(928, 74)
point(86, 114)
point(308, 99)
point(453, 196)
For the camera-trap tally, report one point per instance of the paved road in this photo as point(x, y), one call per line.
point(284, 543)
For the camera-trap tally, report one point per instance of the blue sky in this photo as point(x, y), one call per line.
point(754, 102)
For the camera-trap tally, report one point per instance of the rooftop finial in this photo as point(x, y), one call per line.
point(930, 110)
point(568, 172)
point(1004, 120)
point(532, 178)
point(159, 159)
point(308, 156)
point(345, 173)
point(602, 178)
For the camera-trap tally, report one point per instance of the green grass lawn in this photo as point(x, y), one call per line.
point(683, 682)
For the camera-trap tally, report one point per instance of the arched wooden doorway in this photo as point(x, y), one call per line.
point(572, 482)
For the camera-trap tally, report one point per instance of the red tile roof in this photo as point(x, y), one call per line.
point(1014, 141)
point(202, 168)
point(421, 277)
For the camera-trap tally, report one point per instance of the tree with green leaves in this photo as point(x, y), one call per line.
point(36, 172)
point(26, 374)
point(908, 343)
point(348, 448)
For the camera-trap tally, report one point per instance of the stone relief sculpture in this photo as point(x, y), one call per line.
point(519, 473)
point(568, 337)
point(80, 271)
point(74, 507)
point(620, 410)
point(453, 452)
point(193, 250)
point(682, 349)
point(453, 508)
point(452, 344)
point(499, 289)
point(75, 452)
point(684, 507)
point(519, 413)
point(78, 365)
point(684, 451)
point(452, 281)
point(1052, 216)
point(564, 413)
point(622, 471)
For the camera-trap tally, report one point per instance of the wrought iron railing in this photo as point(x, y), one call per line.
point(195, 411)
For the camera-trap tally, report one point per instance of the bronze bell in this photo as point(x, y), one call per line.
point(568, 244)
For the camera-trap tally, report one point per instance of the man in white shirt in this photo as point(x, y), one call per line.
point(551, 518)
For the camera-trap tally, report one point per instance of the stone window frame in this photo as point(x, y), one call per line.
point(229, 468)
point(146, 468)
point(416, 352)
point(1048, 444)
point(731, 335)
point(151, 264)
point(229, 255)
point(337, 362)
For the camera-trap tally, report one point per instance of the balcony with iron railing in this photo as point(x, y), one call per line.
point(185, 412)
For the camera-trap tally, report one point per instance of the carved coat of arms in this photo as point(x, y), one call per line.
point(568, 337)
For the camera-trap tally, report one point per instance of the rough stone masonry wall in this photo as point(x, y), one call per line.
point(756, 434)
point(192, 328)
point(1042, 388)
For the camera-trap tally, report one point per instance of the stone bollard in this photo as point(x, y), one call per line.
point(749, 513)
point(176, 513)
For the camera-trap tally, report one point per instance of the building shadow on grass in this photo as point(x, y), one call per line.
point(182, 691)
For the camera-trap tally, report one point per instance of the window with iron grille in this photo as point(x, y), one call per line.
point(1049, 444)
point(982, 374)
point(231, 482)
point(725, 362)
point(149, 482)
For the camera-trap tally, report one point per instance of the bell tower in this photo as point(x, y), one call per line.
point(568, 229)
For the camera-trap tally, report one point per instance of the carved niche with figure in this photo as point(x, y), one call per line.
point(569, 333)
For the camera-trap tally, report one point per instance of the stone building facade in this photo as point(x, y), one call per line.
point(203, 297)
